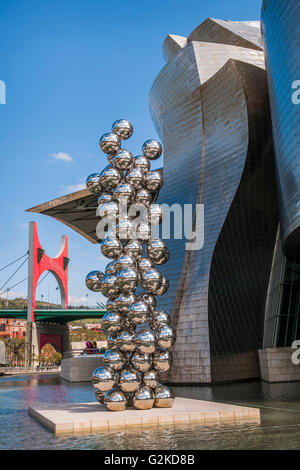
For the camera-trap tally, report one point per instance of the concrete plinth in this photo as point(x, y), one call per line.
point(76, 417)
point(276, 365)
point(80, 369)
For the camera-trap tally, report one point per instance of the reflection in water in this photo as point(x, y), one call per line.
point(279, 428)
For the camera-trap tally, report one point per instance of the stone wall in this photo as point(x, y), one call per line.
point(276, 365)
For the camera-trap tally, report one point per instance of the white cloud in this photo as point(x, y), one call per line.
point(13, 295)
point(72, 188)
point(62, 156)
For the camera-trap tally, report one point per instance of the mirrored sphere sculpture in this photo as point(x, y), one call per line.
point(143, 399)
point(139, 334)
point(115, 400)
point(93, 183)
point(93, 280)
point(122, 128)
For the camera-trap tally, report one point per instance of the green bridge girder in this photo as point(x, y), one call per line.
point(61, 316)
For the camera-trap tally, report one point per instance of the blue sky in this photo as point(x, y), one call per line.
point(71, 68)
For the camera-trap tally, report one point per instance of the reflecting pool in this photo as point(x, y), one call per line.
point(279, 428)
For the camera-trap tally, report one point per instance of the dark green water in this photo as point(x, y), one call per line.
point(279, 428)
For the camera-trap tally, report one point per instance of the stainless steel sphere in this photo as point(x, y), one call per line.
point(139, 312)
point(143, 231)
point(123, 160)
point(158, 319)
point(110, 143)
point(110, 177)
point(125, 261)
point(127, 279)
point(143, 196)
point(157, 250)
point(124, 193)
point(109, 209)
point(155, 214)
point(146, 341)
point(126, 341)
point(111, 305)
point(112, 323)
point(104, 379)
point(164, 397)
point(162, 360)
point(111, 247)
point(93, 183)
point(166, 336)
point(153, 180)
point(105, 197)
point(151, 280)
point(129, 380)
point(109, 287)
point(135, 178)
point(115, 400)
point(163, 287)
point(93, 280)
point(134, 248)
point(100, 396)
point(149, 299)
point(111, 342)
point(141, 362)
point(122, 128)
point(144, 264)
point(123, 302)
point(150, 379)
point(152, 149)
point(125, 229)
point(111, 268)
point(114, 359)
point(141, 162)
point(143, 399)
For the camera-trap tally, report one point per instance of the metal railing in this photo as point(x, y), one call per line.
point(83, 353)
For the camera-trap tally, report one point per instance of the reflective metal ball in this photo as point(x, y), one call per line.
point(109, 287)
point(100, 396)
point(141, 362)
point(123, 301)
point(110, 143)
point(115, 400)
point(142, 162)
point(114, 359)
point(143, 231)
point(124, 193)
point(110, 177)
point(164, 397)
point(157, 250)
point(109, 209)
point(162, 360)
point(112, 323)
point(123, 160)
point(125, 261)
point(149, 299)
point(143, 196)
point(144, 264)
point(104, 197)
point(134, 248)
point(125, 229)
point(150, 379)
point(111, 342)
point(93, 280)
point(158, 319)
point(143, 399)
point(146, 341)
point(135, 178)
point(93, 183)
point(111, 247)
point(126, 341)
point(129, 380)
point(139, 312)
point(163, 287)
point(152, 149)
point(153, 180)
point(127, 279)
point(155, 214)
point(111, 268)
point(151, 280)
point(104, 379)
point(166, 336)
point(122, 128)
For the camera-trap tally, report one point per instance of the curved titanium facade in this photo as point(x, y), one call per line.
point(281, 30)
point(210, 106)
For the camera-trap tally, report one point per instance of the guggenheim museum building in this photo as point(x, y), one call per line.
point(226, 108)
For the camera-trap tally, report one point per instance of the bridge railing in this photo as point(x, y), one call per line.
point(82, 353)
